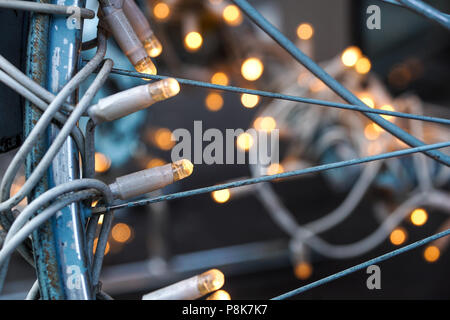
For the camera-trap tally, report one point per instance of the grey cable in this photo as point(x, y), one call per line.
point(60, 119)
point(34, 223)
point(345, 251)
point(60, 139)
point(49, 195)
point(46, 118)
point(46, 8)
point(28, 83)
point(53, 193)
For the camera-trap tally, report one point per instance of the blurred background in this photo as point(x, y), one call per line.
point(404, 66)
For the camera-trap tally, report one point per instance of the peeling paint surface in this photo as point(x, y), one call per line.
point(59, 247)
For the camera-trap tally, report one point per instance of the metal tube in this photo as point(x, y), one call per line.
point(68, 255)
point(46, 8)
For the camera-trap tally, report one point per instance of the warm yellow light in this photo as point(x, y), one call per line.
point(252, 69)
point(419, 217)
point(210, 280)
point(249, 100)
point(219, 295)
point(163, 139)
point(350, 56)
point(153, 46)
point(368, 100)
point(214, 101)
point(221, 196)
point(275, 168)
point(398, 236)
point(193, 41)
point(303, 270)
point(257, 123)
point(363, 65)
point(164, 89)
point(100, 219)
point(431, 254)
point(161, 11)
point(145, 65)
point(121, 232)
point(305, 31)
point(155, 162)
point(232, 15)
point(244, 141)
point(102, 162)
point(94, 203)
point(181, 169)
point(267, 124)
point(387, 107)
point(106, 247)
point(220, 78)
point(371, 132)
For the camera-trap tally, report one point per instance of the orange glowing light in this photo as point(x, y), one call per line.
point(305, 31)
point(214, 101)
point(102, 162)
point(161, 11)
point(398, 236)
point(121, 232)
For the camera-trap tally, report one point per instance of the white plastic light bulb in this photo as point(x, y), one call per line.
point(144, 181)
point(189, 289)
point(126, 102)
point(126, 37)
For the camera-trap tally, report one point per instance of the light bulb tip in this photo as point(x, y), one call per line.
point(181, 169)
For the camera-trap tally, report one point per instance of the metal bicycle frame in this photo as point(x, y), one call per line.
point(61, 262)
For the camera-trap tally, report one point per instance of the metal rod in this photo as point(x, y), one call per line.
point(363, 265)
point(244, 182)
point(36, 68)
point(281, 96)
point(68, 230)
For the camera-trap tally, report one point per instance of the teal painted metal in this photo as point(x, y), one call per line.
point(424, 10)
point(59, 246)
point(244, 182)
point(68, 225)
point(43, 240)
point(281, 96)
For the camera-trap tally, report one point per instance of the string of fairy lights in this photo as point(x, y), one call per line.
point(351, 60)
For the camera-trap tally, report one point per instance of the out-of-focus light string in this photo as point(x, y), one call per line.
point(363, 265)
point(332, 83)
point(244, 182)
point(281, 96)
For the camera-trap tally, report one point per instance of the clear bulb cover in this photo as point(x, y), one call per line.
point(163, 89)
point(181, 169)
point(153, 46)
point(210, 280)
point(145, 66)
